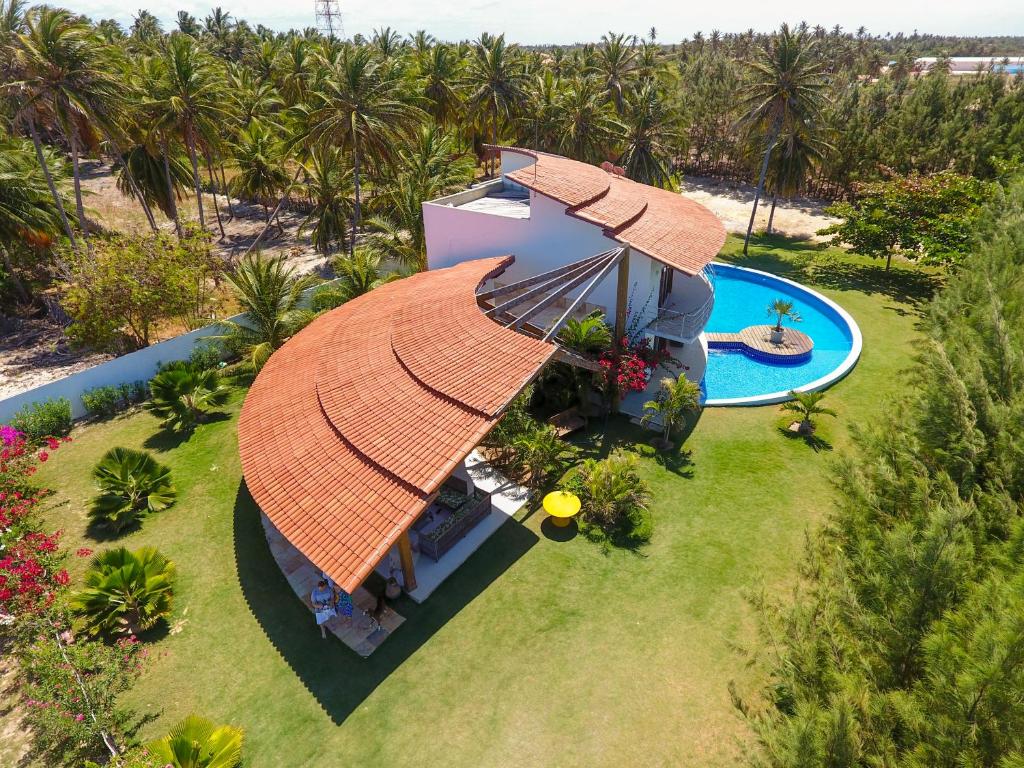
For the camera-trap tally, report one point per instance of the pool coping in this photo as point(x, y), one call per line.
point(820, 383)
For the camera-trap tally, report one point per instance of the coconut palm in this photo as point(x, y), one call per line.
point(27, 211)
point(197, 743)
point(188, 99)
point(328, 186)
point(270, 294)
point(795, 157)
point(807, 405)
point(182, 395)
point(66, 84)
point(293, 71)
point(440, 69)
point(357, 107)
point(782, 309)
point(259, 156)
point(539, 124)
point(125, 592)
point(496, 81)
point(131, 483)
point(150, 176)
point(786, 90)
point(586, 124)
point(614, 63)
point(649, 137)
point(676, 398)
point(360, 273)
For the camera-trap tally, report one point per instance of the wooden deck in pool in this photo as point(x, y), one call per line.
point(758, 339)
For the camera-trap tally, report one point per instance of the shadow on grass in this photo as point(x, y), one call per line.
point(814, 441)
point(167, 439)
point(811, 263)
point(559, 532)
point(339, 679)
point(619, 432)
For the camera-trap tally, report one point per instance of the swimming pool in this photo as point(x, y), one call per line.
point(741, 297)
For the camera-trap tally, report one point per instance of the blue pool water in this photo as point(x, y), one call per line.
point(741, 298)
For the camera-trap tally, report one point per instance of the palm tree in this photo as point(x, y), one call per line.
point(125, 593)
point(66, 84)
point(797, 155)
point(197, 743)
point(293, 71)
point(270, 294)
point(542, 453)
point(782, 309)
point(328, 185)
point(182, 394)
point(360, 273)
point(440, 70)
point(650, 136)
point(27, 212)
point(496, 82)
point(676, 398)
point(131, 483)
point(358, 107)
point(589, 336)
point(261, 174)
point(188, 99)
point(807, 405)
point(149, 173)
point(585, 123)
point(614, 62)
point(614, 495)
point(786, 90)
point(539, 121)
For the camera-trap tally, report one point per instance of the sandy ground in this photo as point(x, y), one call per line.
point(731, 202)
point(35, 352)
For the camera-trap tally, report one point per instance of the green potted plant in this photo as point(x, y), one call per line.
point(782, 309)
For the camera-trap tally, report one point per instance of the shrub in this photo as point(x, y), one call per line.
point(182, 394)
point(327, 298)
point(541, 453)
point(49, 418)
point(131, 483)
point(207, 356)
point(104, 402)
point(125, 592)
point(614, 499)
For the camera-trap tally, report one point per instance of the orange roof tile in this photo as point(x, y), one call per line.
point(666, 226)
point(355, 422)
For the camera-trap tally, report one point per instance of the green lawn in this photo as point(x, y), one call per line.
point(538, 651)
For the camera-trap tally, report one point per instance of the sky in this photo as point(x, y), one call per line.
point(565, 21)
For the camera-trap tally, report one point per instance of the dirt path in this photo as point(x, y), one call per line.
point(731, 202)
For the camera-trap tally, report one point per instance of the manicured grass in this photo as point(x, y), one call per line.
point(539, 650)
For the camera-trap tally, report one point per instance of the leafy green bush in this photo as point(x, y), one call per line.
point(182, 395)
point(104, 402)
point(614, 499)
point(207, 355)
point(327, 298)
point(131, 483)
point(125, 592)
point(49, 418)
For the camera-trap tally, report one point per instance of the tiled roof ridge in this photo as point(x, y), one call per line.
point(432, 390)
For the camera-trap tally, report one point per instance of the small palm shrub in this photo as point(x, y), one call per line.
point(677, 397)
point(196, 742)
point(125, 592)
point(182, 395)
point(131, 484)
point(614, 499)
point(807, 405)
point(542, 453)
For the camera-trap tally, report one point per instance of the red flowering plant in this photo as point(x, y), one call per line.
point(630, 365)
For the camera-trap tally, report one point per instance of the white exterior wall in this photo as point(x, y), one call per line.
point(546, 240)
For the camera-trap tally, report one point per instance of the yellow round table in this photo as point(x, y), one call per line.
point(562, 506)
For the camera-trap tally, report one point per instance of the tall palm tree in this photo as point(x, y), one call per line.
point(785, 90)
point(294, 70)
point(358, 106)
point(65, 84)
point(328, 186)
point(188, 99)
point(586, 124)
point(27, 211)
point(615, 58)
point(259, 157)
point(440, 70)
point(125, 592)
point(650, 135)
point(197, 743)
point(496, 81)
point(798, 153)
point(539, 121)
point(270, 293)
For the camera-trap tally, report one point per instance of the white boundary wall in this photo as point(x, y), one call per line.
point(140, 365)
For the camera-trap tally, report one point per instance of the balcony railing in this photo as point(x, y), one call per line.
point(684, 326)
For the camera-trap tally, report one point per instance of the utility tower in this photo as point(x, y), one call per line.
point(328, 18)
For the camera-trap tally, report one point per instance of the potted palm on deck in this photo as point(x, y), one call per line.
point(782, 309)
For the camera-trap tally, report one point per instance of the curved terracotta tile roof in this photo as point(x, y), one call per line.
point(666, 226)
point(356, 421)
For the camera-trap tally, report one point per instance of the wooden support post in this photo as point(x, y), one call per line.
point(621, 307)
point(405, 553)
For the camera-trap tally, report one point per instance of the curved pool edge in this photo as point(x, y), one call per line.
point(844, 368)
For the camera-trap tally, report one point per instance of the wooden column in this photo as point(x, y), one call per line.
point(405, 553)
point(621, 307)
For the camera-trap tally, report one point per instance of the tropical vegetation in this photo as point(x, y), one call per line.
point(131, 484)
point(615, 498)
point(183, 394)
point(807, 406)
point(124, 592)
point(677, 397)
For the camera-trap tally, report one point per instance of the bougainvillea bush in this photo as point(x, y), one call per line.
point(68, 684)
point(629, 367)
